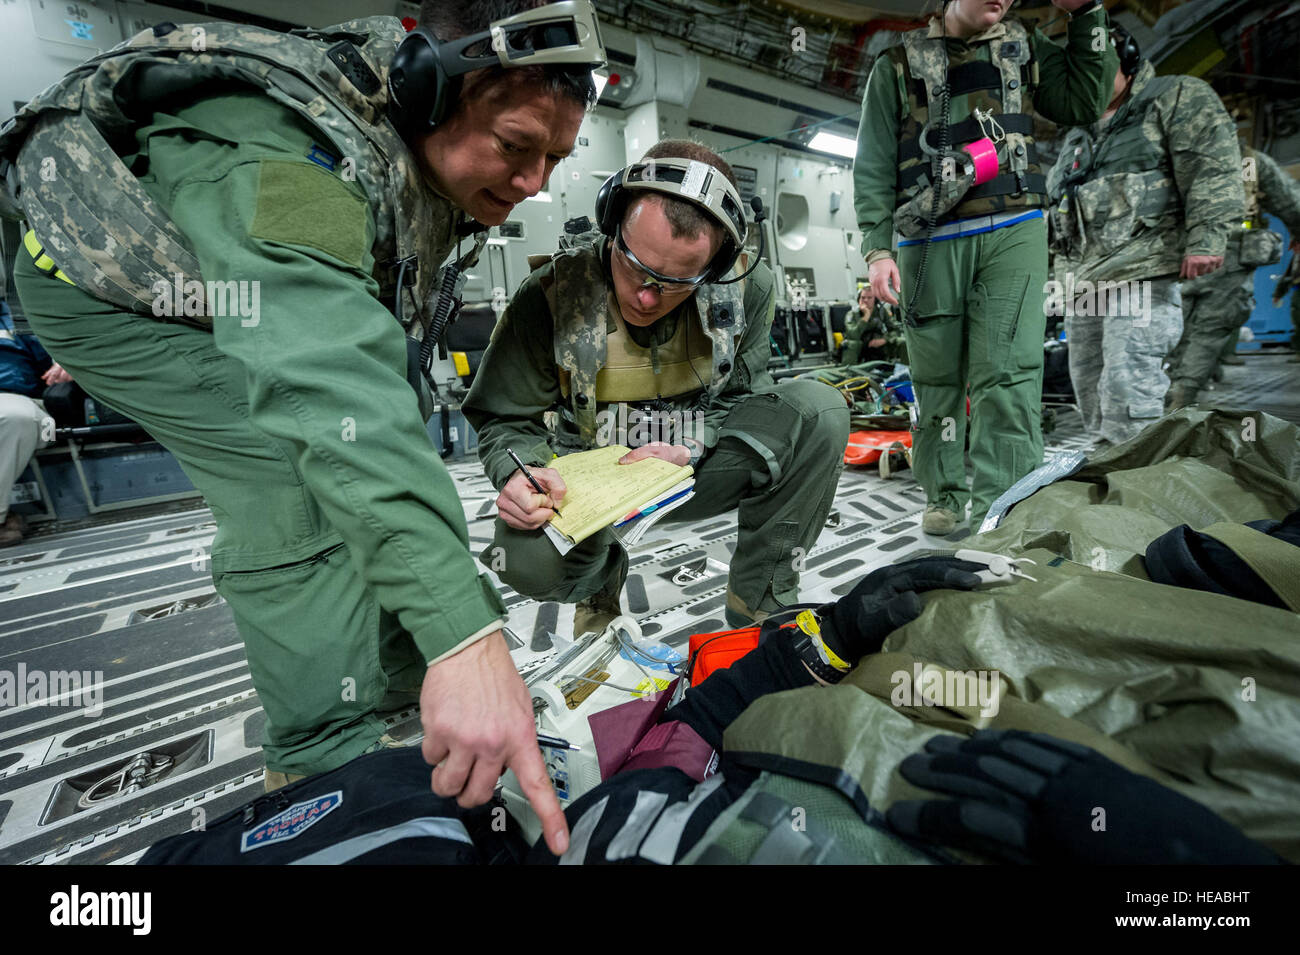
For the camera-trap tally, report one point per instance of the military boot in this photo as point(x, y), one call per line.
point(594, 614)
point(740, 615)
point(938, 521)
point(12, 530)
point(276, 780)
point(1181, 394)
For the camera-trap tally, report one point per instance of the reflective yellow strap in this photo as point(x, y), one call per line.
point(462, 362)
point(42, 261)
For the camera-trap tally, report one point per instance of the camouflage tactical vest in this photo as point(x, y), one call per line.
point(1000, 81)
point(599, 366)
point(1117, 178)
point(110, 237)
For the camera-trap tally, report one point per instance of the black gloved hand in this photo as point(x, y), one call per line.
point(886, 599)
point(1031, 798)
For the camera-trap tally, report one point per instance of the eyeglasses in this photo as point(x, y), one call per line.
point(649, 278)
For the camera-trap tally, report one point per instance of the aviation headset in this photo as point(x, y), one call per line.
point(1130, 55)
point(695, 182)
point(423, 82)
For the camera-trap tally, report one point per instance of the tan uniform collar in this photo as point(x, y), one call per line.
point(992, 33)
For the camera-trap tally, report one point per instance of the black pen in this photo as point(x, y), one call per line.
point(555, 742)
point(531, 480)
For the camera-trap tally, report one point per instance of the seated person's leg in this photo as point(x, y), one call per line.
point(528, 562)
point(778, 460)
point(20, 427)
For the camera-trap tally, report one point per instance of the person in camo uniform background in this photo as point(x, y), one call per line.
point(1149, 195)
point(1217, 305)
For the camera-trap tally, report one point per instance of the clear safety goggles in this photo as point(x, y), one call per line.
point(646, 277)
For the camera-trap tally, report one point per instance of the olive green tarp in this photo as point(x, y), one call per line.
point(1198, 690)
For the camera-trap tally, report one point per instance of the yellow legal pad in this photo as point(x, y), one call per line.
point(601, 491)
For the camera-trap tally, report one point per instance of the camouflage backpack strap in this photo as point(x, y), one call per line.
point(118, 250)
point(1015, 54)
point(335, 78)
point(721, 310)
point(578, 296)
point(55, 164)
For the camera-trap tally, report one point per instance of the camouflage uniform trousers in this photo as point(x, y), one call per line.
point(1214, 307)
point(778, 460)
point(1116, 362)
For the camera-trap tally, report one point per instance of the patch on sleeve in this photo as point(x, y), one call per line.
point(301, 204)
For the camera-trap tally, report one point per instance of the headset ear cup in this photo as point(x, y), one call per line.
point(418, 82)
point(606, 204)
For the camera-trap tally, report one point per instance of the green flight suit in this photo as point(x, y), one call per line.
point(773, 451)
point(980, 309)
point(883, 322)
point(341, 544)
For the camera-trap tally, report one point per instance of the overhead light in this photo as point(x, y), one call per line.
point(830, 143)
point(540, 197)
point(600, 79)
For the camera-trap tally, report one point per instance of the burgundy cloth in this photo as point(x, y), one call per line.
point(629, 736)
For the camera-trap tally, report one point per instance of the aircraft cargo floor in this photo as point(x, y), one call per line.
point(126, 596)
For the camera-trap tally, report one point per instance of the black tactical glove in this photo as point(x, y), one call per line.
point(1030, 798)
point(886, 599)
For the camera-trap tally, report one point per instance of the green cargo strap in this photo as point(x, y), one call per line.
point(1276, 561)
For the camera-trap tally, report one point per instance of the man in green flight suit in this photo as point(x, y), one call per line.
point(604, 334)
point(1217, 305)
point(939, 109)
point(310, 179)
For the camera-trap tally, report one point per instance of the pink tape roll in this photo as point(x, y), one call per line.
point(985, 156)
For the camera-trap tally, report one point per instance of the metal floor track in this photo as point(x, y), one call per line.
point(132, 597)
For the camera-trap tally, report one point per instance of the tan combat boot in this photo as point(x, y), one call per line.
point(594, 614)
point(275, 780)
point(938, 521)
point(1179, 396)
point(12, 530)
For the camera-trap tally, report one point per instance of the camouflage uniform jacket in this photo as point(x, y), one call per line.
point(85, 205)
point(1275, 191)
point(518, 387)
point(1160, 180)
